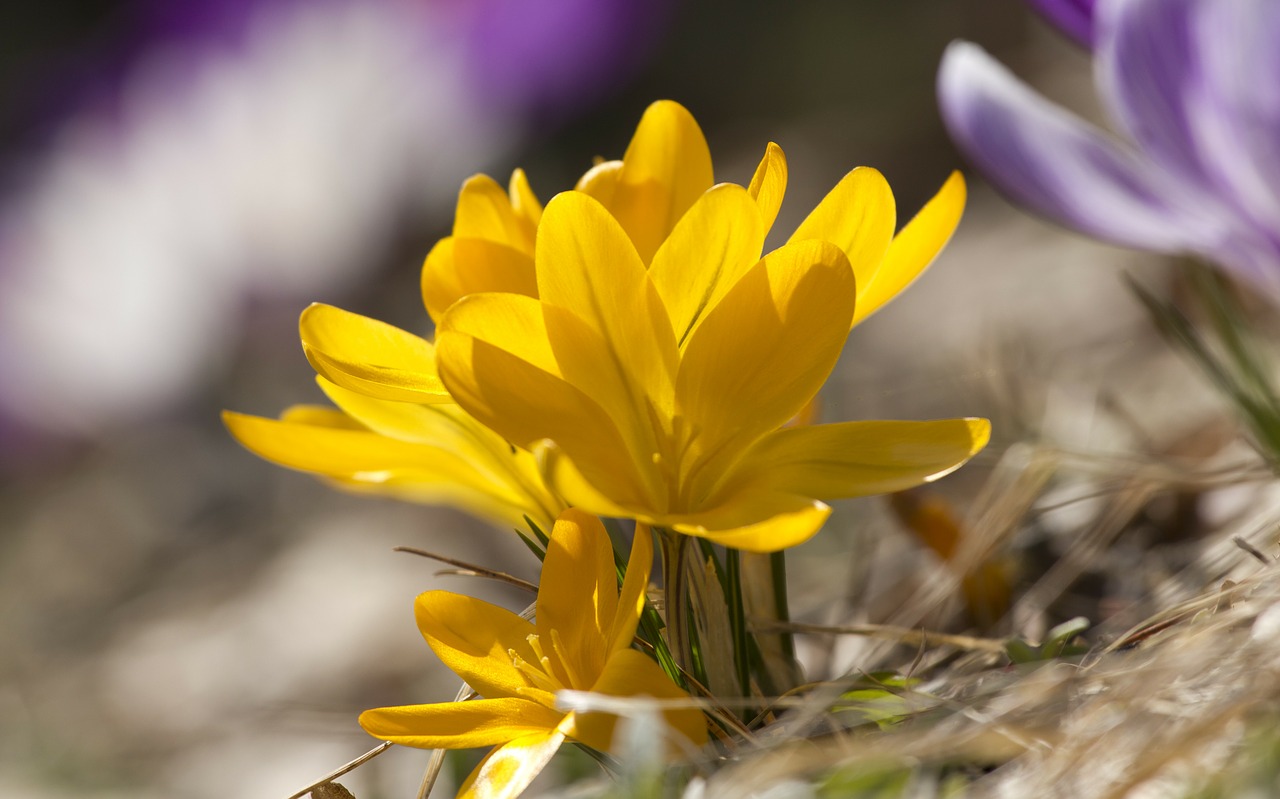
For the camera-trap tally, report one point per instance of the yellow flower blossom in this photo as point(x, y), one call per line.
point(580, 640)
point(424, 452)
point(659, 355)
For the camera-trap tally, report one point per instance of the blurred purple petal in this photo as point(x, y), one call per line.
point(1236, 116)
point(1147, 67)
point(1073, 17)
point(1048, 159)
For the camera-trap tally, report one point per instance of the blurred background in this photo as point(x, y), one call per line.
point(178, 180)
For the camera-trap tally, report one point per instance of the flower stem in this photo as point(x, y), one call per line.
point(778, 570)
point(677, 597)
point(737, 620)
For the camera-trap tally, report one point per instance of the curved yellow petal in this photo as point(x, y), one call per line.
point(578, 595)
point(456, 267)
point(506, 771)
point(460, 725)
point(858, 217)
point(511, 475)
point(369, 356)
point(769, 184)
point(566, 480)
point(632, 596)
point(476, 639)
point(633, 674)
point(853, 459)
point(914, 248)
point(606, 323)
point(319, 416)
point(524, 403)
point(757, 520)
point(709, 250)
point(759, 356)
point(523, 201)
point(666, 168)
point(361, 460)
point(485, 212)
point(601, 181)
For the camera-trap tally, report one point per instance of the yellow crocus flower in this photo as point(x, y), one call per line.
point(580, 640)
point(658, 392)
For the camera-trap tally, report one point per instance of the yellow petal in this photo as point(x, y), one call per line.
point(319, 416)
point(475, 638)
point(853, 459)
point(601, 181)
point(562, 475)
point(509, 769)
point(632, 597)
point(363, 460)
point(858, 217)
point(578, 595)
point(632, 674)
point(456, 267)
point(665, 169)
point(485, 212)
point(914, 248)
point(522, 402)
point(460, 725)
point(510, 475)
point(760, 356)
point(712, 246)
point(605, 321)
point(523, 201)
point(769, 183)
point(369, 356)
point(756, 520)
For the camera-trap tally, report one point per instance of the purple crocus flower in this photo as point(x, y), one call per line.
point(1193, 87)
point(1073, 17)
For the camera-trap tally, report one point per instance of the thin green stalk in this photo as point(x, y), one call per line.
point(737, 619)
point(778, 571)
point(677, 598)
point(650, 620)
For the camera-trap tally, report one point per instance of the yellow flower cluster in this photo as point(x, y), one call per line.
point(636, 348)
point(629, 351)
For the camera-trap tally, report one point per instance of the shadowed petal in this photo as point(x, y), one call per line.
point(485, 212)
point(601, 181)
point(523, 201)
point(666, 168)
point(633, 674)
point(1054, 162)
point(369, 356)
point(913, 249)
point(456, 267)
point(853, 459)
point(460, 725)
point(474, 638)
point(507, 770)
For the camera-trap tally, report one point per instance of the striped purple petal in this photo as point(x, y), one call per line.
point(1059, 165)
